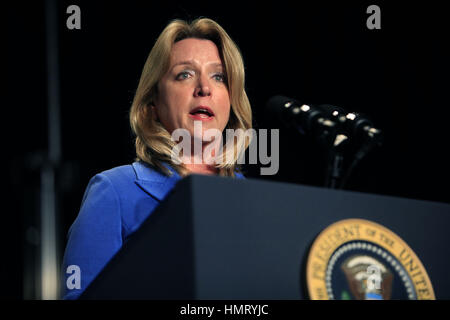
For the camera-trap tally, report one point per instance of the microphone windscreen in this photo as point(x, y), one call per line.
point(276, 105)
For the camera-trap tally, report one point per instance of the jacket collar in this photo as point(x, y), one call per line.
point(153, 182)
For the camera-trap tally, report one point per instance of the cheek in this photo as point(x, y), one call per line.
point(225, 106)
point(177, 98)
point(170, 103)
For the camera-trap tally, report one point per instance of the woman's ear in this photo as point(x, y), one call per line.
point(153, 111)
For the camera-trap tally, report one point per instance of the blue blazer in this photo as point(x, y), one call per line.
point(114, 205)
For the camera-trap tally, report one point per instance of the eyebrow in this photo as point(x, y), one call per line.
point(191, 62)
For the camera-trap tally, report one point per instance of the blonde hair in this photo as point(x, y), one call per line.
point(153, 142)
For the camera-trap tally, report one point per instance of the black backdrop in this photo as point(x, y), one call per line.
point(315, 51)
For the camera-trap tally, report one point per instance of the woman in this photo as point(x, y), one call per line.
point(194, 75)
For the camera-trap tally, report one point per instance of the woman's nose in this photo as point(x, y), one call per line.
point(202, 89)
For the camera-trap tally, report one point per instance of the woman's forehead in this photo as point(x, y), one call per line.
point(192, 50)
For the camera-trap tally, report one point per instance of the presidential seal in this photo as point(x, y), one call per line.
point(357, 259)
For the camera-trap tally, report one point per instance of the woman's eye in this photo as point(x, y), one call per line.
point(183, 75)
point(219, 77)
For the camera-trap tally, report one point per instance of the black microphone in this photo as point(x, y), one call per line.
point(306, 118)
point(333, 127)
point(352, 124)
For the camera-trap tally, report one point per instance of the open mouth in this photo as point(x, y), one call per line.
point(202, 112)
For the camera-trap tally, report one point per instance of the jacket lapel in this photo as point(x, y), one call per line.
point(153, 182)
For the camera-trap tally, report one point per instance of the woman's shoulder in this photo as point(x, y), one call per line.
point(139, 171)
point(127, 177)
point(130, 172)
point(119, 173)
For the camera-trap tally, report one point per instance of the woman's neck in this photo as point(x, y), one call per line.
point(198, 163)
point(201, 168)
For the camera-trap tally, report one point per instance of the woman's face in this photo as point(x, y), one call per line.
point(195, 80)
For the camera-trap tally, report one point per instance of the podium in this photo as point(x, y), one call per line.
point(222, 238)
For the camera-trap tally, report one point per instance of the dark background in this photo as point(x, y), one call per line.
point(317, 52)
